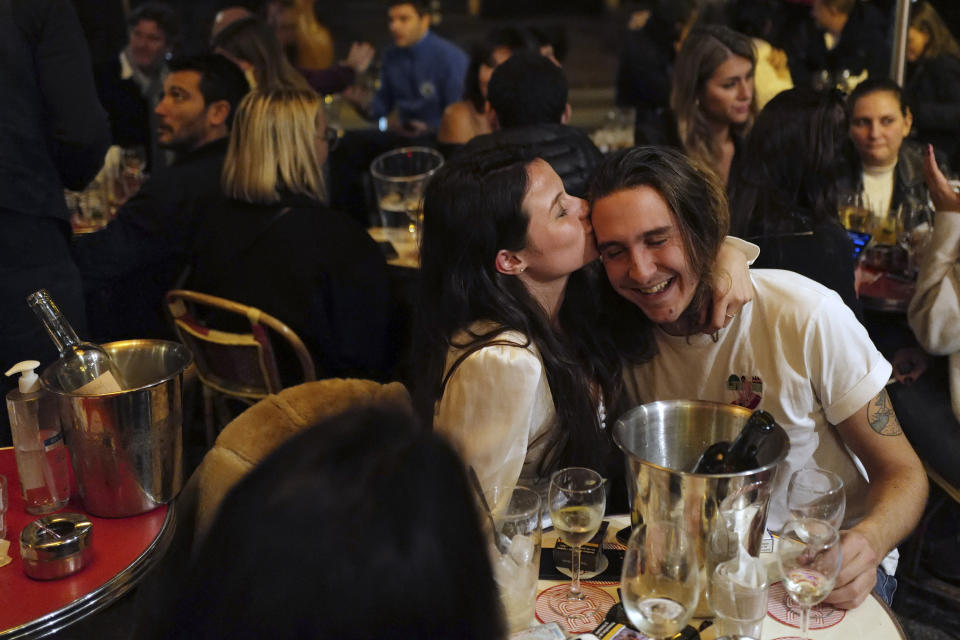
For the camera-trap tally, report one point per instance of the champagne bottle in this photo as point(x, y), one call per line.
point(741, 454)
point(86, 368)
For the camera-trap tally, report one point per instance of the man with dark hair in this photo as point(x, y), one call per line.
point(658, 220)
point(54, 135)
point(128, 265)
point(130, 84)
point(527, 107)
point(420, 75)
point(530, 90)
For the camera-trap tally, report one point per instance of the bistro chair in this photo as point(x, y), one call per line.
point(942, 494)
point(240, 366)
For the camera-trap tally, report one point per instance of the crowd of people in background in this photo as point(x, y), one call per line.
point(525, 345)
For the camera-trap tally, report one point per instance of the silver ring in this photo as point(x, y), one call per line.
point(731, 315)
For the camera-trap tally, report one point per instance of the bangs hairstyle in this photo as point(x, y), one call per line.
point(691, 190)
point(705, 49)
point(273, 149)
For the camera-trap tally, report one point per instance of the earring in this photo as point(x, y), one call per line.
point(522, 269)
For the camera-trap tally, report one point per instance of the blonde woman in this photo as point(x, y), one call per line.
point(712, 96)
point(276, 246)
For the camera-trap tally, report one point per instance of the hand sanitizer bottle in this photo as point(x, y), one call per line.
point(38, 443)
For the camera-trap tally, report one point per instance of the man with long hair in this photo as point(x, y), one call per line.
point(658, 220)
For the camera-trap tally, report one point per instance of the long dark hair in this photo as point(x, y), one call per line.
point(472, 210)
point(795, 165)
point(361, 527)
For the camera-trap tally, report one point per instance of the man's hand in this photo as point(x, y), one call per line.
point(858, 575)
point(732, 289)
point(943, 196)
point(411, 128)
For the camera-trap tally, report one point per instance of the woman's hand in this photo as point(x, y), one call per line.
point(732, 289)
point(943, 196)
point(360, 56)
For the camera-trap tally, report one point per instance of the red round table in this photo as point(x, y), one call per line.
point(124, 550)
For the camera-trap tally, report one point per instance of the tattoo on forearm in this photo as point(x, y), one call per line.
point(881, 416)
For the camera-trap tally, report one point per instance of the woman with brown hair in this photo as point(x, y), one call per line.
point(712, 95)
point(932, 86)
point(251, 44)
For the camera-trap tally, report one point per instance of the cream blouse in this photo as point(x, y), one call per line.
point(497, 409)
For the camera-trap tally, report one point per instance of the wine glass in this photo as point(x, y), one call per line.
point(915, 224)
point(809, 557)
point(817, 493)
point(577, 499)
point(660, 582)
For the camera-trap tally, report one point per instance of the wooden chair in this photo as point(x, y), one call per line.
point(910, 571)
point(242, 366)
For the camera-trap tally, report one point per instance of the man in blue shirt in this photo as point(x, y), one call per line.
point(420, 75)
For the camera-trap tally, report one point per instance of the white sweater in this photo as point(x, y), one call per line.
point(934, 312)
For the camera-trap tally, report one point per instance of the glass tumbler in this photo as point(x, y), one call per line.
point(515, 551)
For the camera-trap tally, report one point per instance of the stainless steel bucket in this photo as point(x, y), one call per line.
point(127, 447)
point(662, 442)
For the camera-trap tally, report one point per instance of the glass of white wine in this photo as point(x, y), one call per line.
point(817, 493)
point(809, 556)
point(660, 582)
point(577, 500)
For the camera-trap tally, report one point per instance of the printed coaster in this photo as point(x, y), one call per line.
point(553, 606)
point(785, 611)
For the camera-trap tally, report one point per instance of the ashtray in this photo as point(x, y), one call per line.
point(56, 546)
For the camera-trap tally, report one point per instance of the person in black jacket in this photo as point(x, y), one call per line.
point(858, 31)
point(645, 64)
point(528, 100)
point(54, 135)
point(275, 245)
point(130, 84)
point(933, 81)
point(129, 265)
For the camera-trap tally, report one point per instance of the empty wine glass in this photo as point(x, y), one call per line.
point(577, 500)
point(809, 556)
point(660, 582)
point(915, 224)
point(817, 493)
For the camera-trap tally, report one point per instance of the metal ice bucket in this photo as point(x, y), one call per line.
point(662, 442)
point(127, 447)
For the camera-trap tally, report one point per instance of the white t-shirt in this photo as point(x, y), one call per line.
point(796, 351)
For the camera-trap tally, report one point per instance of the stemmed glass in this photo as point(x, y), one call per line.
point(915, 221)
point(809, 557)
point(817, 493)
point(577, 499)
point(660, 582)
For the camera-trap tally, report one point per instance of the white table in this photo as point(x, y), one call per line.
point(872, 620)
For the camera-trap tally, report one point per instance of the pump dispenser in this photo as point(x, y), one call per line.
point(38, 442)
